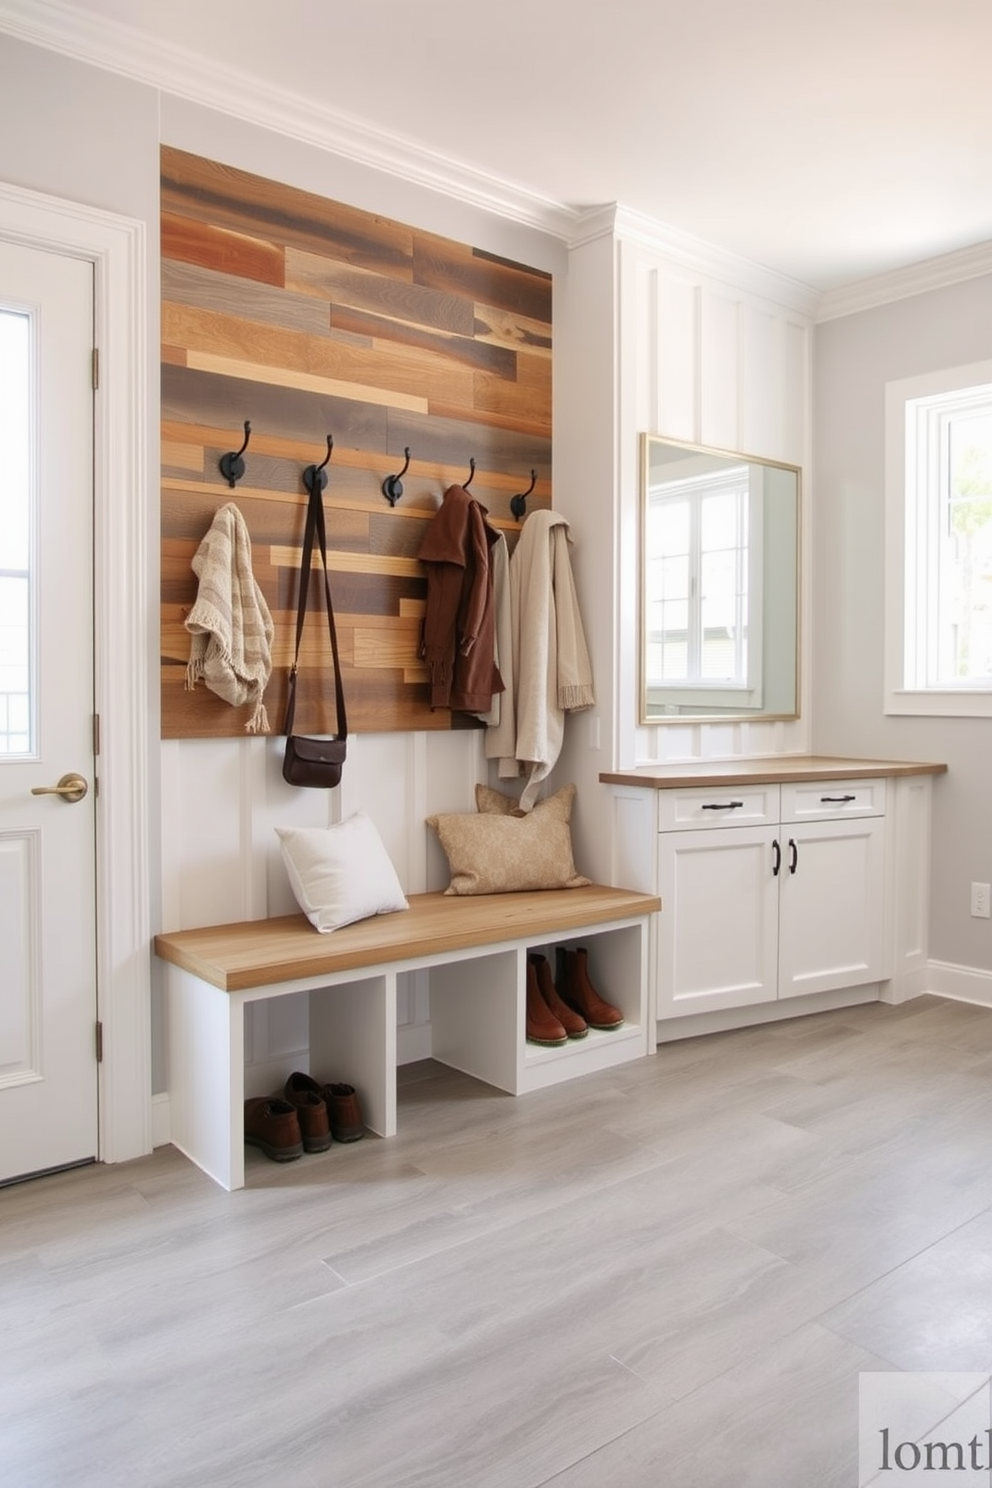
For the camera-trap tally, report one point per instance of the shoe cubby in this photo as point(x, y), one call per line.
point(617, 970)
point(478, 1011)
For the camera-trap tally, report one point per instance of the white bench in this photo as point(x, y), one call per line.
point(476, 949)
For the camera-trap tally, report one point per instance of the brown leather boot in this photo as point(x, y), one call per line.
point(541, 1024)
point(303, 1092)
point(573, 1023)
point(345, 1111)
point(575, 988)
point(272, 1124)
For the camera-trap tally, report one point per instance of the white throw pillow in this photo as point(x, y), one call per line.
point(342, 873)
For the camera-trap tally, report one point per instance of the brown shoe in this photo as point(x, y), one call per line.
point(344, 1111)
point(305, 1094)
point(542, 1027)
point(271, 1123)
point(573, 1023)
point(575, 988)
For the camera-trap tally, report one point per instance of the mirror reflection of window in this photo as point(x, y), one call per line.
point(698, 554)
point(720, 584)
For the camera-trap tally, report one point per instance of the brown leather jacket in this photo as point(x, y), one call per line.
point(459, 622)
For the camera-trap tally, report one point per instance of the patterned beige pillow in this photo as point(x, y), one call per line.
point(494, 852)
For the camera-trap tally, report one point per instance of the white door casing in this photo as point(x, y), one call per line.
point(123, 640)
point(48, 1001)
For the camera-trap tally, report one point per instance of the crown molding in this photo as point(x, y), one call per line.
point(122, 49)
point(700, 256)
point(900, 284)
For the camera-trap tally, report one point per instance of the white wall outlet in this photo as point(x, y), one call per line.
point(981, 901)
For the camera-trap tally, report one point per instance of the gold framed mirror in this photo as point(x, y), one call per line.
point(719, 611)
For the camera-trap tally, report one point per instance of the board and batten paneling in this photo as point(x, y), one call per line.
point(308, 317)
point(711, 362)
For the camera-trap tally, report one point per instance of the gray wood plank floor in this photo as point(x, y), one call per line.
point(665, 1276)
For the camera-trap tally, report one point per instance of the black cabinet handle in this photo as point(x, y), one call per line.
point(837, 800)
point(722, 806)
point(793, 855)
point(777, 858)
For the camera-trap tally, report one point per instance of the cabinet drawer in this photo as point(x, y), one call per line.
point(721, 806)
point(826, 800)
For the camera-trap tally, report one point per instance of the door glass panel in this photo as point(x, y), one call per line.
point(16, 711)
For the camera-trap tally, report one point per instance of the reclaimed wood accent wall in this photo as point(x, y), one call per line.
point(308, 318)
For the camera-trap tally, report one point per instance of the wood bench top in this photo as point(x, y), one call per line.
point(256, 953)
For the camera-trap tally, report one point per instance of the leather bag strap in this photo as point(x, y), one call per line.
point(315, 531)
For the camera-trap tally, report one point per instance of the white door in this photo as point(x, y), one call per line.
point(48, 995)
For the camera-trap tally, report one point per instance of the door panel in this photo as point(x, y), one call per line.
point(48, 1007)
point(718, 932)
point(832, 905)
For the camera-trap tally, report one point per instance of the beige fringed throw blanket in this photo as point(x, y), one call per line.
point(230, 623)
point(551, 672)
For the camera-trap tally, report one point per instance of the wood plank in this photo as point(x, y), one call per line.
point(337, 284)
point(257, 953)
point(182, 456)
point(506, 328)
point(441, 264)
point(298, 417)
point(355, 563)
point(214, 247)
point(465, 351)
point(213, 289)
point(304, 382)
point(397, 647)
point(235, 198)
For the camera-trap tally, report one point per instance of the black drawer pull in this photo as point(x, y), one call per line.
point(837, 800)
point(722, 806)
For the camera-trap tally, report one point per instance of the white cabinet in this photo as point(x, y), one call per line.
point(769, 892)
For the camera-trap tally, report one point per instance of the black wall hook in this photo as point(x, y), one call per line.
point(471, 474)
point(232, 467)
point(392, 486)
point(316, 475)
point(518, 503)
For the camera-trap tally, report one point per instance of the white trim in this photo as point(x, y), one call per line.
point(210, 81)
point(901, 284)
point(960, 983)
point(116, 248)
point(900, 699)
point(123, 49)
point(709, 259)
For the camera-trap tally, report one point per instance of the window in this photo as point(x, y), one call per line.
point(939, 543)
point(15, 527)
point(702, 541)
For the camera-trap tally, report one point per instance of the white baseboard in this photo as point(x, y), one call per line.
point(961, 983)
point(692, 1025)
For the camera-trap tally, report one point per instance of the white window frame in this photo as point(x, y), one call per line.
point(738, 692)
point(906, 558)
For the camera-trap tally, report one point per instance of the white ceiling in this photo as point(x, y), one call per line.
point(830, 140)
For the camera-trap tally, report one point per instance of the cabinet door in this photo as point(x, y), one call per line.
point(718, 927)
point(832, 905)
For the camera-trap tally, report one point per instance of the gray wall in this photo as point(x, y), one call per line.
point(854, 357)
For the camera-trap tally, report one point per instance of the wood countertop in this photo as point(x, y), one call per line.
point(767, 770)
